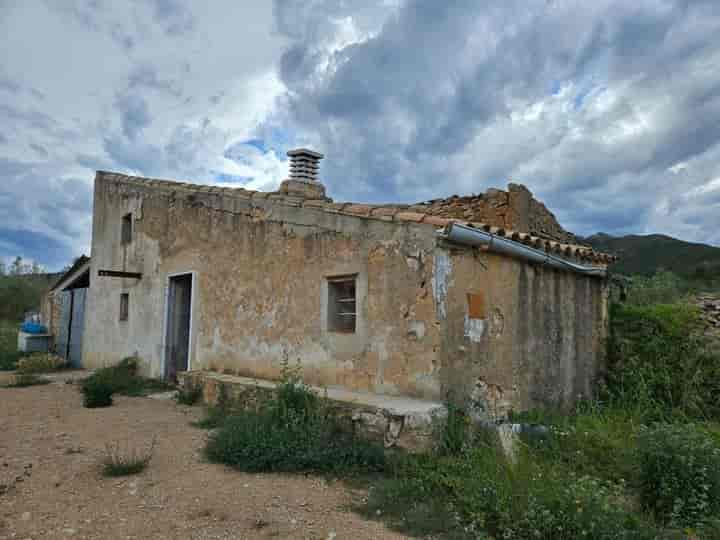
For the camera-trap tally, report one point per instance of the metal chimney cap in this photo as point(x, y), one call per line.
point(304, 152)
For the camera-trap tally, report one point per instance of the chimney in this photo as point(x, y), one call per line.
point(303, 181)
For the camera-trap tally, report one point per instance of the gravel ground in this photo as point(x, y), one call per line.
point(51, 487)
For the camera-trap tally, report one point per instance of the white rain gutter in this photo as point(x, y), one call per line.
point(461, 234)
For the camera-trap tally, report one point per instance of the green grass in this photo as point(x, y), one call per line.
point(294, 431)
point(9, 354)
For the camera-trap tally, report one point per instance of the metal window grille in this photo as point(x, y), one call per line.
point(342, 304)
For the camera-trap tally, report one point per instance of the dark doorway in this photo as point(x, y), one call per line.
point(178, 325)
point(68, 343)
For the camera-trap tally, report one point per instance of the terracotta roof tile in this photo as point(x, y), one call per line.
point(402, 213)
point(410, 216)
point(359, 209)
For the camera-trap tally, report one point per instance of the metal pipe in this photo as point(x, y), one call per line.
point(461, 234)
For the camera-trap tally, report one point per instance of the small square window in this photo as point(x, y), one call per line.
point(124, 306)
point(342, 304)
point(126, 232)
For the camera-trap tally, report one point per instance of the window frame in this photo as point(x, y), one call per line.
point(126, 229)
point(336, 306)
point(124, 315)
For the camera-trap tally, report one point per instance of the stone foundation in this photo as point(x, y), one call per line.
point(397, 422)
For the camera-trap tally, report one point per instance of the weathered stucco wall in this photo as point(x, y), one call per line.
point(519, 336)
point(260, 261)
point(260, 271)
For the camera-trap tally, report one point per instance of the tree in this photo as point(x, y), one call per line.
point(17, 266)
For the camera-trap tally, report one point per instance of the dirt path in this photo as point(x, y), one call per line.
point(50, 446)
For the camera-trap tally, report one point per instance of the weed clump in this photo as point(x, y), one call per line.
point(295, 431)
point(679, 473)
point(23, 380)
point(216, 414)
point(40, 363)
point(125, 462)
point(189, 394)
point(660, 364)
point(97, 393)
point(119, 379)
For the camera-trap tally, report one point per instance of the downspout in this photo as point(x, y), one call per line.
point(461, 234)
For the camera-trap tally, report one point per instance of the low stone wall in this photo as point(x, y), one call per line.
point(396, 422)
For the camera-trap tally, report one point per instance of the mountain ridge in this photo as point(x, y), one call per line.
point(648, 253)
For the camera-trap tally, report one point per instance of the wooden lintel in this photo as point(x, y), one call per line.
point(118, 273)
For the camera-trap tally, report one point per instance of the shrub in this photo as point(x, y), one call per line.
point(40, 363)
point(96, 392)
point(592, 441)
point(295, 431)
point(123, 379)
point(124, 462)
point(660, 365)
point(564, 507)
point(190, 394)
point(661, 288)
point(22, 380)
point(479, 491)
point(9, 354)
point(679, 473)
point(452, 431)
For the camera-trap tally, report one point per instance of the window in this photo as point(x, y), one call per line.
point(126, 232)
point(124, 306)
point(342, 305)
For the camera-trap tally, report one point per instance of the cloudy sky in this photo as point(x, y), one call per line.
point(609, 111)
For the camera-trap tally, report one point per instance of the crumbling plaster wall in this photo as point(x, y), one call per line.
point(260, 270)
point(537, 337)
point(260, 265)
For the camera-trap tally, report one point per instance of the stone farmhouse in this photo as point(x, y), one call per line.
point(485, 299)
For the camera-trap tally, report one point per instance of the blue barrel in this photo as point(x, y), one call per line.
point(33, 328)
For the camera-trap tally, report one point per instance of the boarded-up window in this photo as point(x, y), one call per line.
point(476, 306)
point(126, 231)
point(342, 304)
point(124, 306)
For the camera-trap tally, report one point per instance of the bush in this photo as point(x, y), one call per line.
point(23, 380)
point(679, 473)
point(123, 379)
point(592, 441)
point(661, 288)
point(119, 462)
point(558, 506)
point(479, 492)
point(660, 365)
point(40, 363)
point(96, 392)
point(295, 431)
point(9, 354)
point(190, 394)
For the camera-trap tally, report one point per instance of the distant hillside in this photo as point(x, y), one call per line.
point(647, 254)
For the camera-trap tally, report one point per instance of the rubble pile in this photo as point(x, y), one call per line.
point(515, 209)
